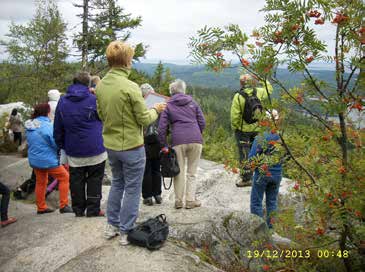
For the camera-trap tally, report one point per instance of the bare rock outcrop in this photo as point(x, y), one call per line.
point(214, 237)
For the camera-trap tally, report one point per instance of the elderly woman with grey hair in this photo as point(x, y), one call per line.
point(146, 89)
point(187, 122)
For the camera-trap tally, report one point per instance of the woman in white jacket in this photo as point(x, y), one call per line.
point(53, 97)
point(15, 121)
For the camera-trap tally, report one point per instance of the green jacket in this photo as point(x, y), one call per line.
point(238, 105)
point(122, 110)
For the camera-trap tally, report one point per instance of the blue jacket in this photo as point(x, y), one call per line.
point(77, 127)
point(275, 170)
point(42, 149)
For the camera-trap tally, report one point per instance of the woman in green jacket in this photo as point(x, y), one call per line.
point(123, 112)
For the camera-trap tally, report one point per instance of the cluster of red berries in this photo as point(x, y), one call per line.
point(357, 105)
point(328, 136)
point(278, 37)
point(300, 98)
point(319, 21)
point(340, 18)
point(245, 62)
point(309, 59)
point(314, 13)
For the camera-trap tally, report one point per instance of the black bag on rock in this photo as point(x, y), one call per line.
point(151, 233)
point(169, 166)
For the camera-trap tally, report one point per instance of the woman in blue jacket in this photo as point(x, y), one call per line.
point(78, 131)
point(42, 156)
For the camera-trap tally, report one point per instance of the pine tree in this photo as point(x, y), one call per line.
point(157, 79)
point(40, 48)
point(161, 79)
point(168, 78)
point(82, 39)
point(111, 23)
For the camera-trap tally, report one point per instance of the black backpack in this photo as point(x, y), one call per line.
point(151, 233)
point(169, 166)
point(252, 104)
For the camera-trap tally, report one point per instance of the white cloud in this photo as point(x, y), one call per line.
point(167, 25)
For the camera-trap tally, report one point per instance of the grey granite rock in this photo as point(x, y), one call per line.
point(220, 232)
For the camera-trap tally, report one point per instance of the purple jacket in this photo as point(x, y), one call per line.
point(186, 119)
point(77, 127)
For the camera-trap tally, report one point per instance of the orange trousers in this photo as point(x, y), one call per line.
point(59, 173)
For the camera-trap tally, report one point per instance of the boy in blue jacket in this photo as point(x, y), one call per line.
point(268, 180)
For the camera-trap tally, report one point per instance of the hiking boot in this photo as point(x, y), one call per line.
point(158, 199)
point(192, 204)
point(79, 214)
point(100, 213)
point(123, 241)
point(148, 201)
point(10, 220)
point(244, 183)
point(48, 210)
point(110, 231)
point(178, 204)
point(18, 194)
point(66, 209)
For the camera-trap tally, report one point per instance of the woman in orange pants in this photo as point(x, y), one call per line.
point(42, 156)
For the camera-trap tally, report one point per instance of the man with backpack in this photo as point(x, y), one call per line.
point(245, 111)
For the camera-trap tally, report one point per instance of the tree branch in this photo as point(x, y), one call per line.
point(319, 118)
point(352, 72)
point(296, 161)
point(314, 83)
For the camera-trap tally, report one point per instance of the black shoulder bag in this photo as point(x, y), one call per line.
point(151, 233)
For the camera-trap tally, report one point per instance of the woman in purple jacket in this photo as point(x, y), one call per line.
point(78, 131)
point(187, 122)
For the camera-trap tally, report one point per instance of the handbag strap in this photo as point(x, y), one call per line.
point(164, 185)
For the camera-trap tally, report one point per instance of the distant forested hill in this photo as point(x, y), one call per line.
point(198, 76)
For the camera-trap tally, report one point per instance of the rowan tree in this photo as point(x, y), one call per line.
point(327, 160)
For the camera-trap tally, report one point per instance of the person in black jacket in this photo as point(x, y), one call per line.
point(151, 185)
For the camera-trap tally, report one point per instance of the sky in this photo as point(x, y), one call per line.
point(167, 25)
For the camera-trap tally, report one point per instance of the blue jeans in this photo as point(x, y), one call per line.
point(270, 186)
point(123, 202)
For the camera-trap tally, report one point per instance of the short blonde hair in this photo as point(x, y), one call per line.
point(95, 80)
point(119, 54)
point(247, 80)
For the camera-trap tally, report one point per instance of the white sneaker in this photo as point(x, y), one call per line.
point(123, 241)
point(280, 240)
point(110, 231)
